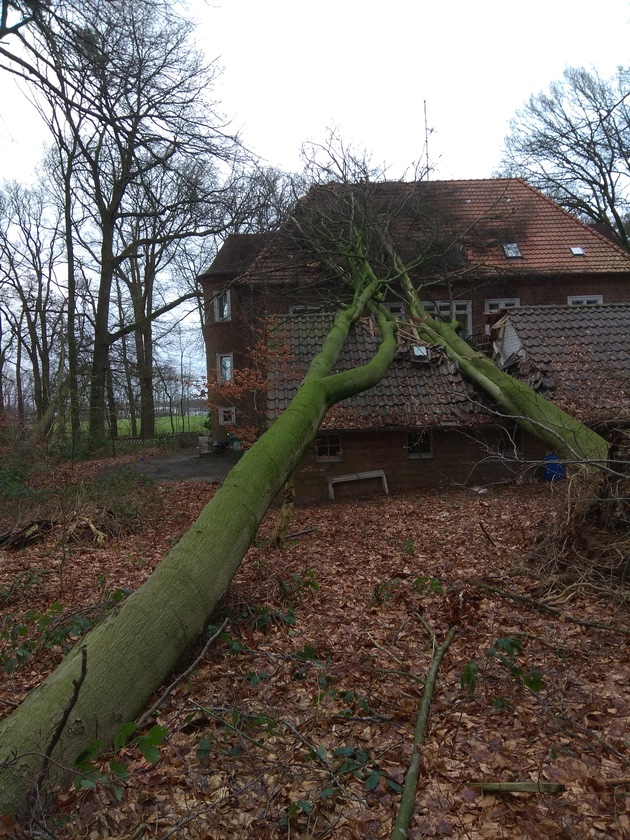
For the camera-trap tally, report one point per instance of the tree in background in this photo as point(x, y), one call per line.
point(573, 143)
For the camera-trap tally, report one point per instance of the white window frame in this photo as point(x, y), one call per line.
point(222, 306)
point(451, 309)
point(424, 436)
point(491, 305)
point(220, 357)
point(585, 300)
point(320, 455)
point(227, 415)
point(396, 308)
point(494, 304)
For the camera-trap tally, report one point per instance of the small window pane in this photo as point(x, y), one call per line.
point(227, 416)
point(512, 250)
point(224, 367)
point(222, 310)
point(420, 444)
point(327, 447)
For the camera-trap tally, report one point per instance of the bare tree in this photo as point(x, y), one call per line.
point(573, 143)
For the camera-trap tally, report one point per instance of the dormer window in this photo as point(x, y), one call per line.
point(578, 251)
point(512, 250)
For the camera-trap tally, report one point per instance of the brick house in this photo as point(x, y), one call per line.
point(490, 247)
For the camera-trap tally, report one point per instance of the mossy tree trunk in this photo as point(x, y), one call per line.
point(571, 439)
point(132, 653)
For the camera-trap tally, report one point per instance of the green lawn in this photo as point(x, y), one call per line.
point(193, 423)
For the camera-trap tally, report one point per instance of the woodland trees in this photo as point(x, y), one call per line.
point(573, 143)
point(140, 164)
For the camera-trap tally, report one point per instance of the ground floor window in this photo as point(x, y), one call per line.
point(420, 444)
point(328, 447)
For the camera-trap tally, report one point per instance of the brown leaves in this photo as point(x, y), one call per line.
point(305, 671)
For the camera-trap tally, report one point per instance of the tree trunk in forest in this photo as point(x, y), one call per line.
point(131, 654)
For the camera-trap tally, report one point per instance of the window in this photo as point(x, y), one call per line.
point(224, 368)
point(578, 251)
point(328, 447)
point(496, 304)
point(512, 250)
point(222, 306)
point(396, 307)
point(585, 300)
point(449, 310)
point(420, 444)
point(227, 415)
point(420, 354)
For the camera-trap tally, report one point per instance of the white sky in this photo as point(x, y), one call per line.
point(291, 69)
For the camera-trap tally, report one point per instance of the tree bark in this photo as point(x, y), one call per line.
point(131, 654)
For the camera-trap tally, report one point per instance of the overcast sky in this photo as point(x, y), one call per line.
point(291, 69)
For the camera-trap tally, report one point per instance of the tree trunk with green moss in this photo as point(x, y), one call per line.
point(132, 653)
point(571, 439)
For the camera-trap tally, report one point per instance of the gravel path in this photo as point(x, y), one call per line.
point(187, 466)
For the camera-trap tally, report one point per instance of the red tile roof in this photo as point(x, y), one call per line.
point(478, 216)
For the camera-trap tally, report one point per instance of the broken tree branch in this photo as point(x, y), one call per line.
point(43, 767)
point(407, 802)
point(545, 608)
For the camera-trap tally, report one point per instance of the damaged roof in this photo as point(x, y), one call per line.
point(577, 356)
point(466, 227)
point(411, 394)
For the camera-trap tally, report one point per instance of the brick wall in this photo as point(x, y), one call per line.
point(459, 457)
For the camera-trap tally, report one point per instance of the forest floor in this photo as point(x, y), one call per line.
point(298, 720)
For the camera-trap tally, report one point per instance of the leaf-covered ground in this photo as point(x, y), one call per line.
point(298, 721)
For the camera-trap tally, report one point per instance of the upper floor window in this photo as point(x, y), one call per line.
point(585, 300)
point(222, 305)
point(396, 307)
point(496, 304)
point(224, 367)
point(452, 310)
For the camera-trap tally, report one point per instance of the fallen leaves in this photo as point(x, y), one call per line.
point(303, 671)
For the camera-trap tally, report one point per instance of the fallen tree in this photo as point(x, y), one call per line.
point(132, 653)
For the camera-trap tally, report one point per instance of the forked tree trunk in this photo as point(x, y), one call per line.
point(132, 653)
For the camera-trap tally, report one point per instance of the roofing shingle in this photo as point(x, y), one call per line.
point(579, 356)
point(476, 216)
point(409, 395)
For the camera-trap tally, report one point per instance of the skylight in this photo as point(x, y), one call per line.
point(578, 251)
point(511, 250)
